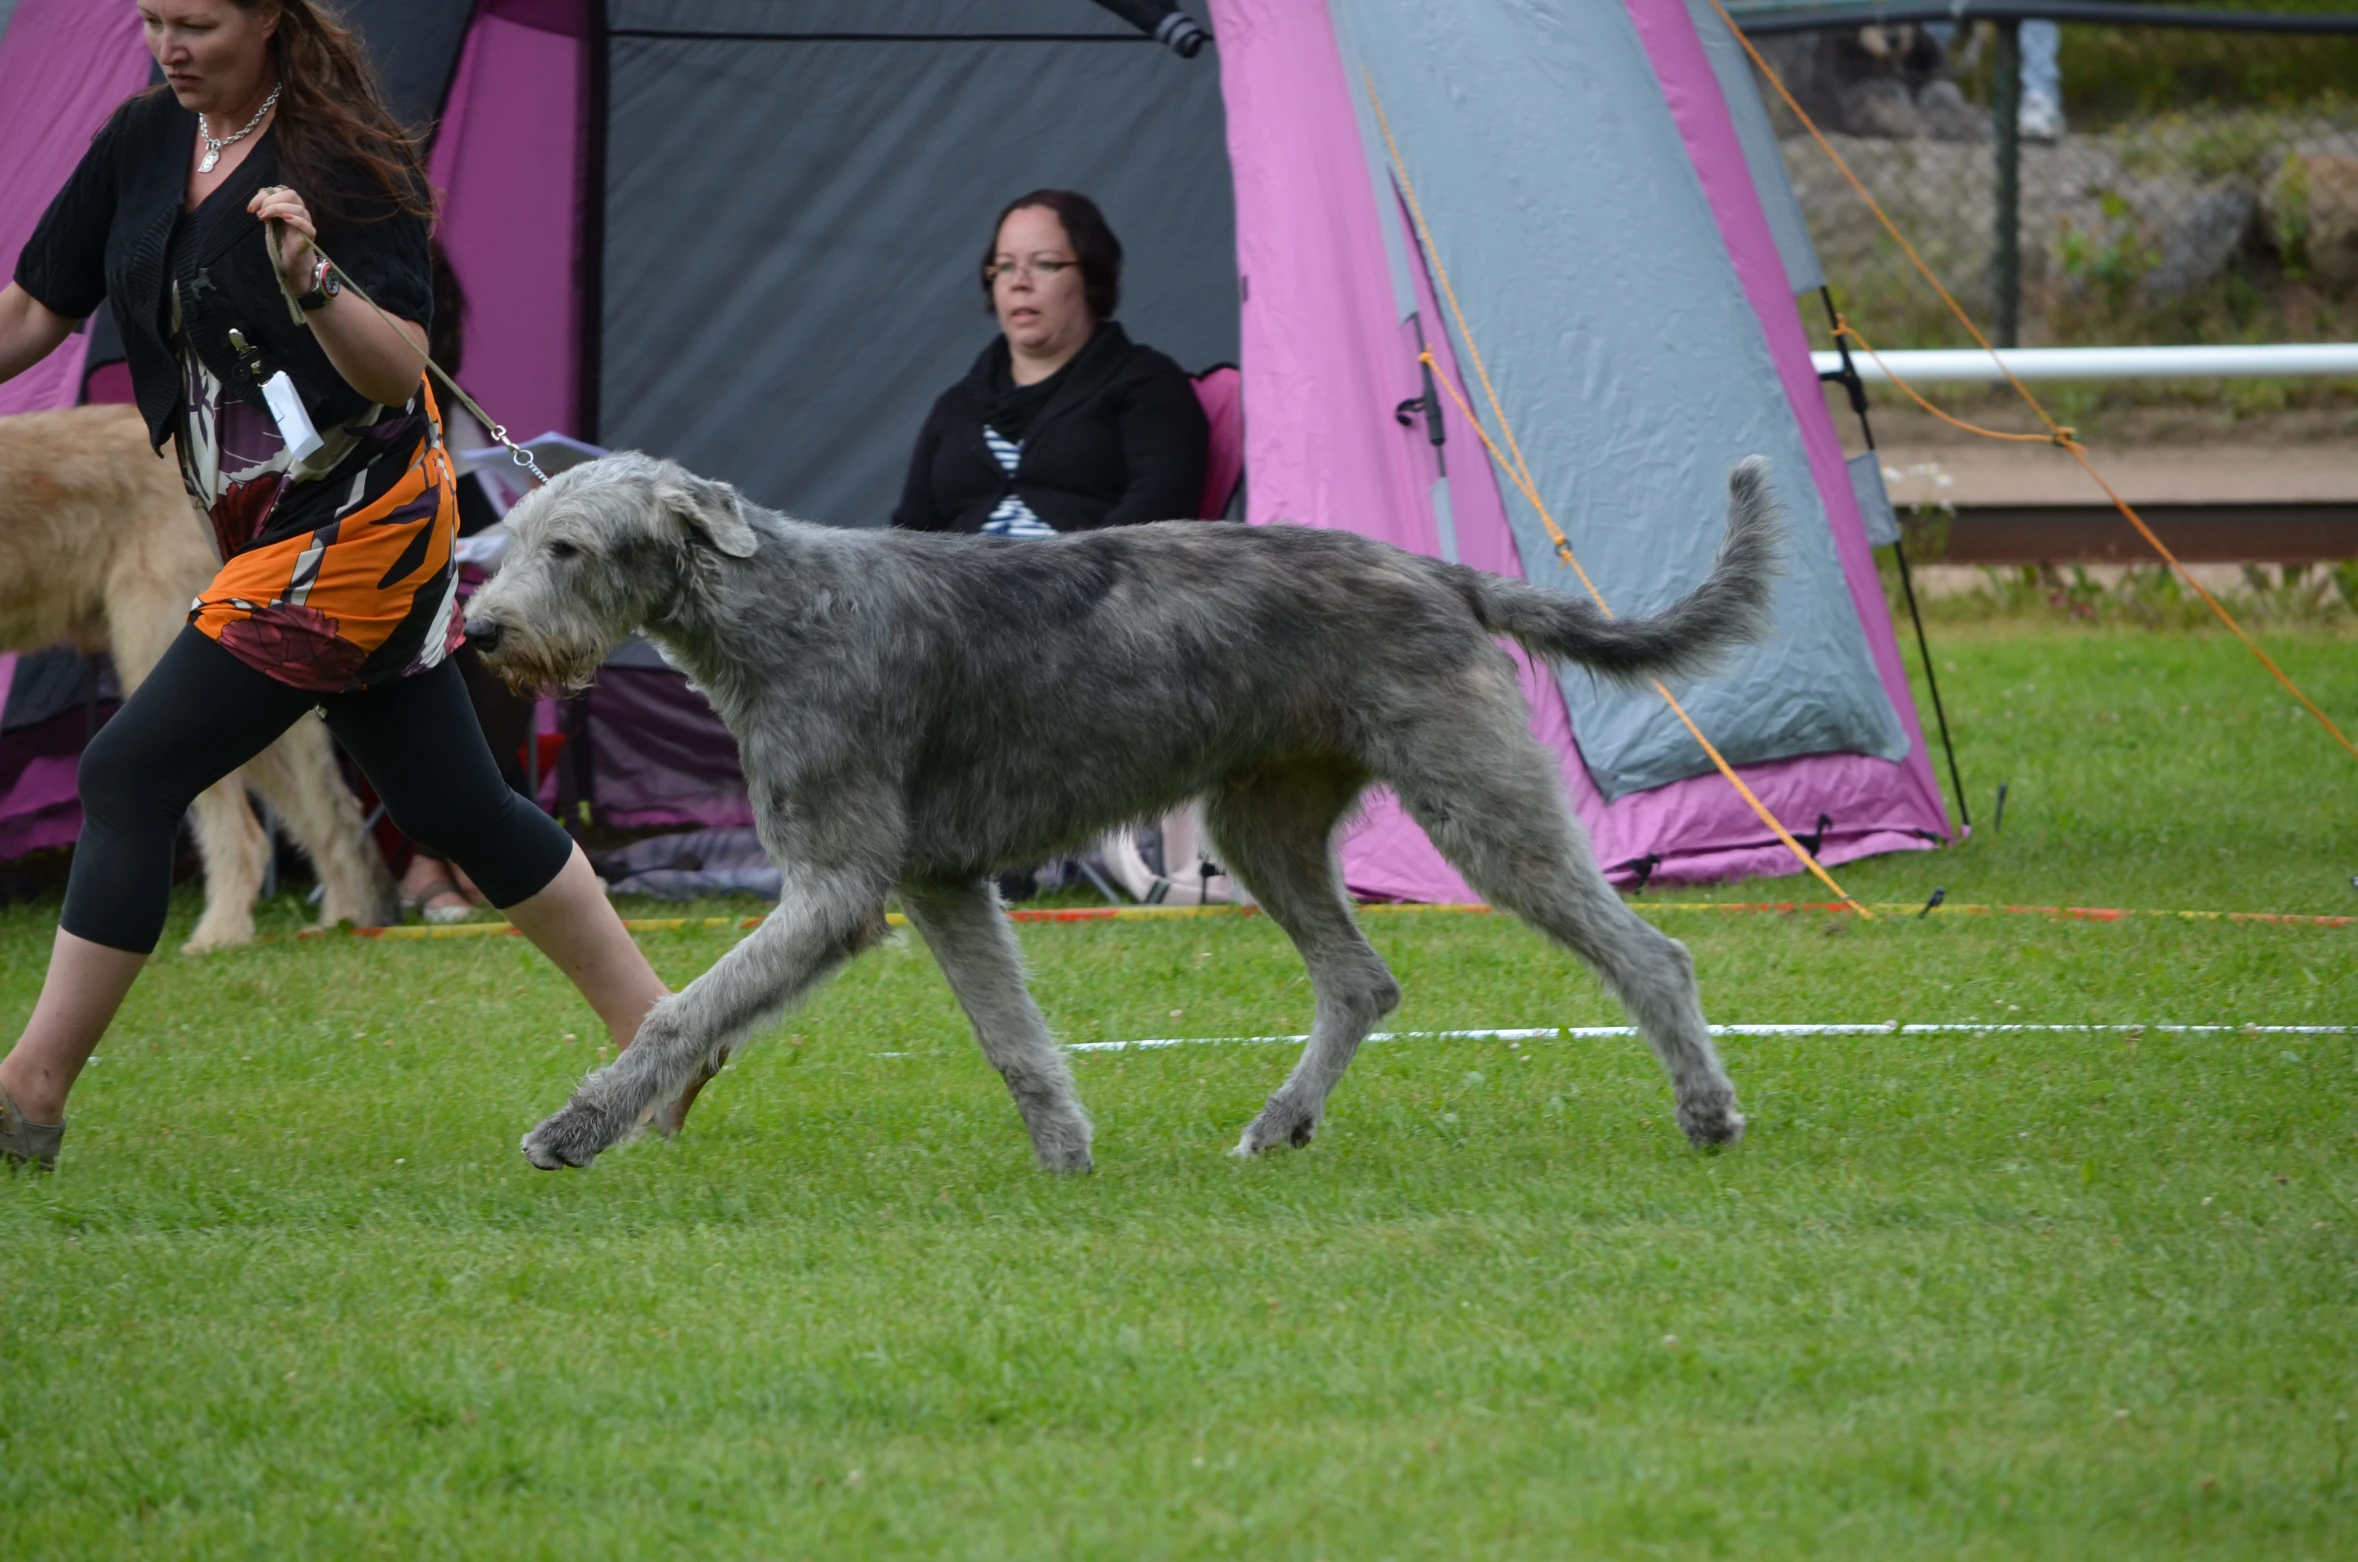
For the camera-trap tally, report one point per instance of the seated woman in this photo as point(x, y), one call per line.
point(1064, 424)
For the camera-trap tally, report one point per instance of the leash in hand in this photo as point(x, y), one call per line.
point(272, 236)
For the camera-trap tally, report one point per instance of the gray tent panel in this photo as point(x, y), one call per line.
point(1594, 277)
point(415, 45)
point(794, 230)
point(7, 10)
point(1742, 90)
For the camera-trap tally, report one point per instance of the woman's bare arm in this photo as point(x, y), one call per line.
point(28, 331)
point(381, 361)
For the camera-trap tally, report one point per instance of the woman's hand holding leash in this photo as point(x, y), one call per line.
point(381, 365)
point(296, 233)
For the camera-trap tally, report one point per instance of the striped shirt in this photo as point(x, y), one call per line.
point(1013, 517)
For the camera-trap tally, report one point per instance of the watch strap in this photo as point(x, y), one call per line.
point(326, 283)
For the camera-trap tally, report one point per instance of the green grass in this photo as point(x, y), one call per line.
point(294, 1293)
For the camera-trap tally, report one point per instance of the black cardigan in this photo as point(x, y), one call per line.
point(105, 237)
point(1123, 439)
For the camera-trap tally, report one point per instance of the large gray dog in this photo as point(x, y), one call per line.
point(917, 711)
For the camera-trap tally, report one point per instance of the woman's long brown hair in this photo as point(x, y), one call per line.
point(333, 122)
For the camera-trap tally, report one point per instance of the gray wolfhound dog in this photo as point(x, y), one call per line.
point(100, 546)
point(919, 710)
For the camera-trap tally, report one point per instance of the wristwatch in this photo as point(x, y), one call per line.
point(326, 283)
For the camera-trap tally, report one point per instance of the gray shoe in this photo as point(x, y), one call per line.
point(23, 1143)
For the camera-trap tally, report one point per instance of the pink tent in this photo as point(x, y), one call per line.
point(1328, 355)
point(64, 65)
point(1597, 187)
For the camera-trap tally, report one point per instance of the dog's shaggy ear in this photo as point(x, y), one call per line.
point(711, 510)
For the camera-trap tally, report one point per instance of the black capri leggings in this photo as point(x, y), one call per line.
point(202, 713)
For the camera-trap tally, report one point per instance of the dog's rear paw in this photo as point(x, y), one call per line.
point(1712, 1122)
point(668, 1119)
point(573, 1137)
point(1282, 1125)
point(219, 932)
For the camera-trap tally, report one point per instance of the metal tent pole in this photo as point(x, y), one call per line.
point(590, 263)
point(1849, 376)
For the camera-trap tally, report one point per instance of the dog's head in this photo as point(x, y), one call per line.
point(603, 549)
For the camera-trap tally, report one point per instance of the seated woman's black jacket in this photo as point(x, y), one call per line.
point(106, 236)
point(1121, 440)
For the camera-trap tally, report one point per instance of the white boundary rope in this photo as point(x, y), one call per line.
point(1622, 1032)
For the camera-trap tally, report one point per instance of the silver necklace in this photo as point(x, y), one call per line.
point(214, 148)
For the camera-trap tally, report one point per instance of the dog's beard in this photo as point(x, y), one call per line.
point(538, 667)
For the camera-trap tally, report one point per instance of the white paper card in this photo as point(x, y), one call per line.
point(294, 421)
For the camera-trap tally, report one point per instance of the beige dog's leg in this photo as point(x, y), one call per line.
point(236, 850)
point(160, 558)
point(298, 774)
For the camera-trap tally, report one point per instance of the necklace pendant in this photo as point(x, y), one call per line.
point(210, 160)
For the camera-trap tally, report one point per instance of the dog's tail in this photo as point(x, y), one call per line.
point(1730, 607)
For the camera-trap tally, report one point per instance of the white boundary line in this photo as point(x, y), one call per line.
point(1621, 1032)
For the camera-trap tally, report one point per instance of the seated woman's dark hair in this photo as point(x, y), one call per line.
point(1094, 246)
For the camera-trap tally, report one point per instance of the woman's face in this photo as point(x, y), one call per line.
point(1038, 294)
point(215, 55)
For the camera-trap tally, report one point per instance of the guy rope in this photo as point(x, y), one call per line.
point(2057, 434)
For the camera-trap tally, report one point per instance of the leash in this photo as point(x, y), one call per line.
point(498, 431)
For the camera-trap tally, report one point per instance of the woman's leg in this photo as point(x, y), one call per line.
point(419, 742)
point(86, 984)
point(200, 715)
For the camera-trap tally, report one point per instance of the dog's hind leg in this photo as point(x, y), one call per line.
point(298, 775)
point(823, 920)
point(1492, 802)
point(980, 958)
point(1275, 833)
point(236, 851)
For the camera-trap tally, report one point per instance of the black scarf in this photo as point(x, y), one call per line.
point(1009, 408)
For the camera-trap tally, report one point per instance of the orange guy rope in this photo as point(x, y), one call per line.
point(414, 932)
point(1519, 471)
point(2056, 433)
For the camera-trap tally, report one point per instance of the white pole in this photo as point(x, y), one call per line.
point(1952, 364)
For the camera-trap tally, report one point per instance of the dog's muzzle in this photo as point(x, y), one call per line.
point(483, 635)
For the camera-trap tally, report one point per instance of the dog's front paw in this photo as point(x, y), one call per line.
point(1282, 1125)
point(1062, 1145)
point(1711, 1121)
point(573, 1137)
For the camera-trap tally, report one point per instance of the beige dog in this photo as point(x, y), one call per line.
point(99, 546)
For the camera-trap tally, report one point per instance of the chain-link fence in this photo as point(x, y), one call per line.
point(2171, 183)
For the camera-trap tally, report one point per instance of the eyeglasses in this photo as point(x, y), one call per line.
point(1039, 267)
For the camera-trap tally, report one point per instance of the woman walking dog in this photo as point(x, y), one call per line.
point(314, 450)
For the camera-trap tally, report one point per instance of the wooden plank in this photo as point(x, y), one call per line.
point(2197, 533)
